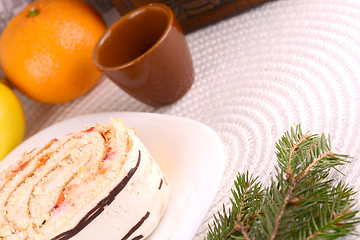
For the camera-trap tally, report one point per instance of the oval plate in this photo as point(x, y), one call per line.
point(190, 154)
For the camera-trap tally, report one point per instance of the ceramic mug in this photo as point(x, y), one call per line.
point(146, 54)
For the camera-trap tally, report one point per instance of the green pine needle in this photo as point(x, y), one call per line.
point(301, 201)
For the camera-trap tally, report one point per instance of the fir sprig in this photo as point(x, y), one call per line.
point(301, 201)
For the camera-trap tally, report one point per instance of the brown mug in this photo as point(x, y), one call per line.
point(146, 54)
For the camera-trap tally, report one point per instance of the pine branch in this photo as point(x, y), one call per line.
point(247, 195)
point(300, 203)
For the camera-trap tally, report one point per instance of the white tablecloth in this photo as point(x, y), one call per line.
point(257, 74)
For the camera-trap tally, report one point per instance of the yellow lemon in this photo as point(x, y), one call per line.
point(12, 121)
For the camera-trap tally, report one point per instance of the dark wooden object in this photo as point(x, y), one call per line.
point(194, 14)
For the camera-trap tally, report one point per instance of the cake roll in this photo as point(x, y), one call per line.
point(97, 183)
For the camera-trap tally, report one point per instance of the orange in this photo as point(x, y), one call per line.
point(46, 49)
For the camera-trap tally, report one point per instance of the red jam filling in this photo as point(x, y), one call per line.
point(89, 130)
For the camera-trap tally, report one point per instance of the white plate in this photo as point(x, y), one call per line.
point(190, 153)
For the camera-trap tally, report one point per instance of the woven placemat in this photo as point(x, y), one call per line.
point(257, 74)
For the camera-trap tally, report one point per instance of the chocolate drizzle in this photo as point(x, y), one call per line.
point(134, 228)
point(138, 237)
point(100, 207)
point(161, 182)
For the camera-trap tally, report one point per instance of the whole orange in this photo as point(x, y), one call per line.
point(46, 49)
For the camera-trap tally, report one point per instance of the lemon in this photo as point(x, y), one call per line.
point(12, 121)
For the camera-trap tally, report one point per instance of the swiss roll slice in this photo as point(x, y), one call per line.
point(97, 183)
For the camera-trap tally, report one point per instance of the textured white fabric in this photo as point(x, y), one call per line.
point(257, 74)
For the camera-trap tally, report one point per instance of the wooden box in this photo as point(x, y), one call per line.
point(194, 14)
